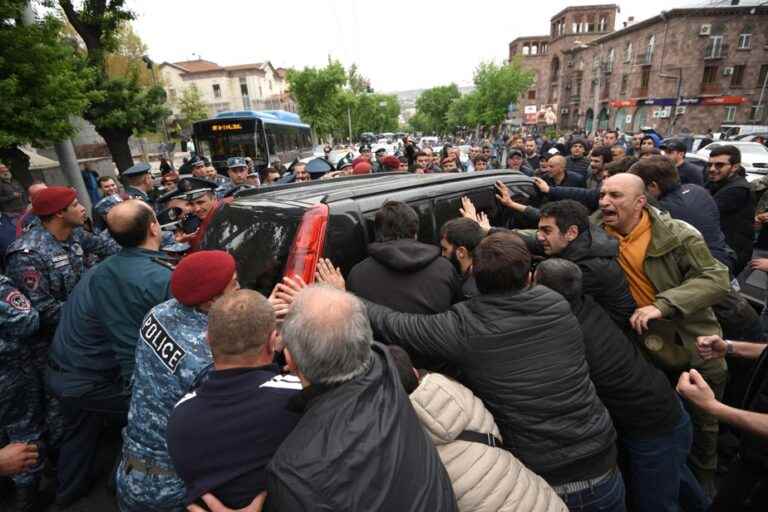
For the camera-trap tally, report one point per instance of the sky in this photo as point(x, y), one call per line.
point(398, 44)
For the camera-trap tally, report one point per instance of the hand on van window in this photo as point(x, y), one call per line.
point(503, 195)
point(468, 209)
point(283, 295)
point(330, 275)
point(214, 505)
point(542, 185)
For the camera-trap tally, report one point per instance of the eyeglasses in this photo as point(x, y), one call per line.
point(717, 165)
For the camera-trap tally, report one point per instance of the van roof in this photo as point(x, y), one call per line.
point(338, 189)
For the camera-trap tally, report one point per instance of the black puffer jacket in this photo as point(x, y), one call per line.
point(522, 354)
point(638, 395)
point(736, 203)
point(359, 446)
point(406, 275)
point(754, 449)
point(595, 253)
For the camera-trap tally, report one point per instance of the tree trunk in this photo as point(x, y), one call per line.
point(117, 142)
point(18, 162)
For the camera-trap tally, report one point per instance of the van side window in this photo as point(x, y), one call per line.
point(427, 232)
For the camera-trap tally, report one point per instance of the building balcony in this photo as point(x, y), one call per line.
point(711, 89)
point(640, 92)
point(644, 58)
point(716, 51)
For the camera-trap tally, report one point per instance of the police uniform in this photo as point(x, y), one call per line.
point(172, 357)
point(133, 192)
point(227, 188)
point(192, 188)
point(21, 412)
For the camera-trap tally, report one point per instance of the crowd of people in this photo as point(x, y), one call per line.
point(593, 353)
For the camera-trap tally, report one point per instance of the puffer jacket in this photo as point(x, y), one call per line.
point(522, 354)
point(484, 478)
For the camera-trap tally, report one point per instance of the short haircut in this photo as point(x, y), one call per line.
point(395, 221)
point(567, 213)
point(129, 222)
point(614, 132)
point(604, 152)
point(104, 179)
point(648, 137)
point(621, 165)
point(135, 180)
point(404, 367)
point(659, 169)
point(560, 275)
point(734, 155)
point(463, 232)
point(618, 145)
point(328, 335)
point(240, 323)
point(479, 158)
point(421, 153)
point(501, 263)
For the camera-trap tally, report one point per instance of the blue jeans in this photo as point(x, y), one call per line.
point(658, 474)
point(605, 497)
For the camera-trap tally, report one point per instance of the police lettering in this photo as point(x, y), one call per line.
point(164, 347)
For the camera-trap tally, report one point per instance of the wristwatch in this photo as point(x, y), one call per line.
point(729, 348)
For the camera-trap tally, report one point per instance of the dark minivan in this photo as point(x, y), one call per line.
point(284, 230)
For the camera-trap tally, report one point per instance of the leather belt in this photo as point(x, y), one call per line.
point(582, 485)
point(142, 466)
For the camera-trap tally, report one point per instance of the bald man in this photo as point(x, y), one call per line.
point(92, 356)
point(675, 281)
point(556, 175)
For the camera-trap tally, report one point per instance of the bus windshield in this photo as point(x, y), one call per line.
point(222, 139)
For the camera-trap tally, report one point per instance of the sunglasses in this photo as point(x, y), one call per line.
point(717, 165)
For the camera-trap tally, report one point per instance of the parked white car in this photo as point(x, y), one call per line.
point(754, 156)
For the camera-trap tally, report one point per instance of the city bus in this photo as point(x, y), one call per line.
point(265, 136)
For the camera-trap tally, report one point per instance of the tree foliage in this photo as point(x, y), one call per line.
point(327, 97)
point(40, 83)
point(496, 87)
point(124, 103)
point(191, 106)
point(432, 109)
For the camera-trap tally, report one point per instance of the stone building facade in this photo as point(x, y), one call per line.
point(688, 68)
point(257, 86)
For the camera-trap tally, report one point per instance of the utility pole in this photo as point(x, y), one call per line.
point(760, 107)
point(349, 122)
point(65, 150)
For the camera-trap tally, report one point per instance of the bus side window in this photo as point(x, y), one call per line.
point(270, 140)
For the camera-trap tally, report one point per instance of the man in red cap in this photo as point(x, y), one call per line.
point(172, 357)
point(362, 167)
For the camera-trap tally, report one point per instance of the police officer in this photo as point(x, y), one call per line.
point(21, 413)
point(139, 183)
point(378, 166)
point(92, 357)
point(197, 167)
point(172, 357)
point(237, 170)
point(201, 195)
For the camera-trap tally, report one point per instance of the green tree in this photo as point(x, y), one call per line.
point(40, 85)
point(370, 113)
point(432, 108)
point(191, 107)
point(319, 95)
point(495, 88)
point(122, 106)
point(462, 112)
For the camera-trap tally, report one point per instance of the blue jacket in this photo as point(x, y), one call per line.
point(100, 322)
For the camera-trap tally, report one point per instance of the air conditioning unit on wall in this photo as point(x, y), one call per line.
point(706, 29)
point(680, 110)
point(728, 71)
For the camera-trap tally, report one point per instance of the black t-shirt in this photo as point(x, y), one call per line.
point(222, 436)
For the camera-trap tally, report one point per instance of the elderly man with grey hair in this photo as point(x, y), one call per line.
point(359, 444)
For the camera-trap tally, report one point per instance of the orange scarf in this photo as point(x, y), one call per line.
point(632, 250)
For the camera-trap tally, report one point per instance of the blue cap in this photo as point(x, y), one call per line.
point(236, 161)
point(170, 218)
point(107, 203)
point(365, 148)
point(192, 187)
point(345, 161)
point(195, 161)
point(138, 169)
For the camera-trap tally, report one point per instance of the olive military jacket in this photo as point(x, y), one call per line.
point(688, 282)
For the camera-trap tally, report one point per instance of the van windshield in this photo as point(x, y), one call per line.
point(258, 237)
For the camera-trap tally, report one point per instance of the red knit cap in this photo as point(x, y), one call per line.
point(202, 276)
point(362, 168)
point(52, 199)
point(391, 162)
